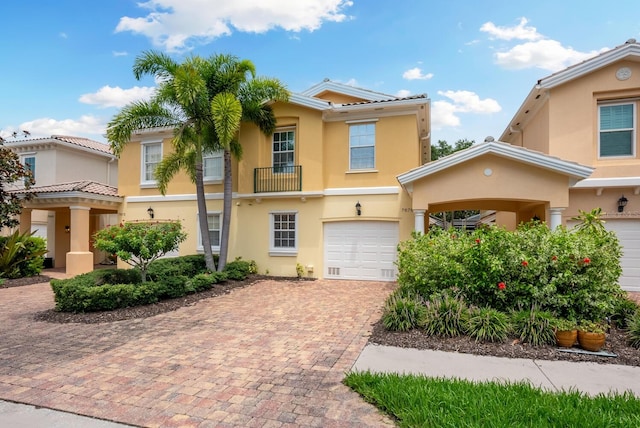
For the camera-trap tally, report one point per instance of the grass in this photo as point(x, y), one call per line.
point(418, 401)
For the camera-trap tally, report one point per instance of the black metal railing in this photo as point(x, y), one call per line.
point(277, 179)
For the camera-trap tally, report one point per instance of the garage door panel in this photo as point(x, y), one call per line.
point(360, 250)
point(628, 232)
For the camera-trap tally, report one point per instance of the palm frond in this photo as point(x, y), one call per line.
point(157, 64)
point(227, 113)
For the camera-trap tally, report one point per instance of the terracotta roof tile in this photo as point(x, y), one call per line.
point(84, 142)
point(86, 186)
point(413, 97)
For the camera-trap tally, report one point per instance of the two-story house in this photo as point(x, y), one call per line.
point(573, 145)
point(75, 194)
point(320, 192)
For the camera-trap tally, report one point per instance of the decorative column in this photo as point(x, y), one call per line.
point(555, 218)
point(79, 258)
point(25, 220)
point(419, 220)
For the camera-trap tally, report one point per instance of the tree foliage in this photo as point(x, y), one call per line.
point(139, 244)
point(12, 172)
point(442, 148)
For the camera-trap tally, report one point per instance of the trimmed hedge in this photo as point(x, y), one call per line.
point(109, 289)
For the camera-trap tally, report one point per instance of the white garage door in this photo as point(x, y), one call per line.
point(628, 232)
point(364, 250)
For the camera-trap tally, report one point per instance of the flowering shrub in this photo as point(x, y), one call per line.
point(571, 273)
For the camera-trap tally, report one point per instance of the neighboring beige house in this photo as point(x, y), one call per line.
point(321, 192)
point(75, 195)
point(573, 145)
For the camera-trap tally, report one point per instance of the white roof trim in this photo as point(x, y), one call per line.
point(328, 85)
point(354, 191)
point(307, 101)
point(594, 183)
point(501, 149)
point(589, 65)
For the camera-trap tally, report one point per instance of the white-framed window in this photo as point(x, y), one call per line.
point(214, 222)
point(284, 150)
point(284, 233)
point(617, 130)
point(150, 158)
point(212, 165)
point(362, 146)
point(29, 162)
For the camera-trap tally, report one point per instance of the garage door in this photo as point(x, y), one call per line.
point(628, 232)
point(364, 250)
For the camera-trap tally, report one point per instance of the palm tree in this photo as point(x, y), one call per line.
point(204, 101)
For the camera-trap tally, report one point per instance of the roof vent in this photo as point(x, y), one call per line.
point(489, 139)
point(630, 41)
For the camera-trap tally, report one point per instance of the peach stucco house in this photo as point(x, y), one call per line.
point(573, 145)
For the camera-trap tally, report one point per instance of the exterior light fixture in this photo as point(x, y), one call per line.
point(622, 202)
point(67, 229)
point(358, 208)
point(150, 212)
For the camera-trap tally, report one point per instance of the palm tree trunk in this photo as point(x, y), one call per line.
point(202, 217)
point(226, 212)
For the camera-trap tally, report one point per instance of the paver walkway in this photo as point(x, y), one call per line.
point(273, 354)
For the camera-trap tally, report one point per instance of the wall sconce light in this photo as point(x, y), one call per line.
point(150, 212)
point(622, 202)
point(358, 208)
point(67, 229)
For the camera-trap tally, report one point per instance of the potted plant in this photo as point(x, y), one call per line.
point(591, 335)
point(566, 332)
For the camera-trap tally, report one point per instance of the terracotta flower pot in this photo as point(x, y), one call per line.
point(590, 341)
point(566, 338)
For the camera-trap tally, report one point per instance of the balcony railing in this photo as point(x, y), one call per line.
point(277, 179)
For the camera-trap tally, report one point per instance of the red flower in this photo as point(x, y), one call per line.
point(554, 258)
point(525, 263)
point(478, 241)
point(586, 260)
point(502, 285)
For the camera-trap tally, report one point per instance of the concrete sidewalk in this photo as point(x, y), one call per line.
point(590, 378)
point(16, 415)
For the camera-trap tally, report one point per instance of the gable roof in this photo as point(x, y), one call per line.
point(630, 50)
point(74, 187)
point(76, 143)
point(341, 88)
point(504, 150)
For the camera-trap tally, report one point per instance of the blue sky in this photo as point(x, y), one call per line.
point(66, 64)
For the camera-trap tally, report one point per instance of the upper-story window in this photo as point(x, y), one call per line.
point(151, 157)
point(617, 129)
point(29, 162)
point(212, 165)
point(362, 146)
point(284, 150)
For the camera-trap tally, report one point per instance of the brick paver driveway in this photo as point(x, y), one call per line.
point(269, 355)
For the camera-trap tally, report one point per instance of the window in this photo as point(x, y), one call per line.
point(213, 222)
point(284, 150)
point(212, 165)
point(362, 146)
point(284, 233)
point(29, 163)
point(151, 157)
point(617, 130)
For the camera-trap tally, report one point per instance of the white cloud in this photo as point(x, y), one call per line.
point(402, 93)
point(63, 35)
point(416, 74)
point(86, 126)
point(545, 54)
point(444, 113)
point(172, 24)
point(520, 31)
point(108, 96)
point(120, 53)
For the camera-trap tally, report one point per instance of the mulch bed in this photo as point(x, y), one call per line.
point(616, 340)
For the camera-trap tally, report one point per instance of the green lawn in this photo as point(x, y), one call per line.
point(418, 401)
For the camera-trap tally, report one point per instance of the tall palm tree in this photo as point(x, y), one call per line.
point(204, 101)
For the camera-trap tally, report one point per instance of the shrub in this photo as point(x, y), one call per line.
point(633, 330)
point(171, 287)
point(21, 255)
point(239, 269)
point(623, 310)
point(206, 281)
point(77, 296)
point(402, 313)
point(116, 276)
point(488, 325)
point(446, 316)
point(534, 327)
point(185, 265)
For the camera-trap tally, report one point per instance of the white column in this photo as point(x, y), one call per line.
point(555, 219)
point(419, 220)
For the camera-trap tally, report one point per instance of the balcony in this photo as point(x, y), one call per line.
point(277, 179)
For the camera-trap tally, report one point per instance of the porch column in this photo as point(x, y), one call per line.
point(418, 220)
point(79, 258)
point(25, 220)
point(555, 217)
